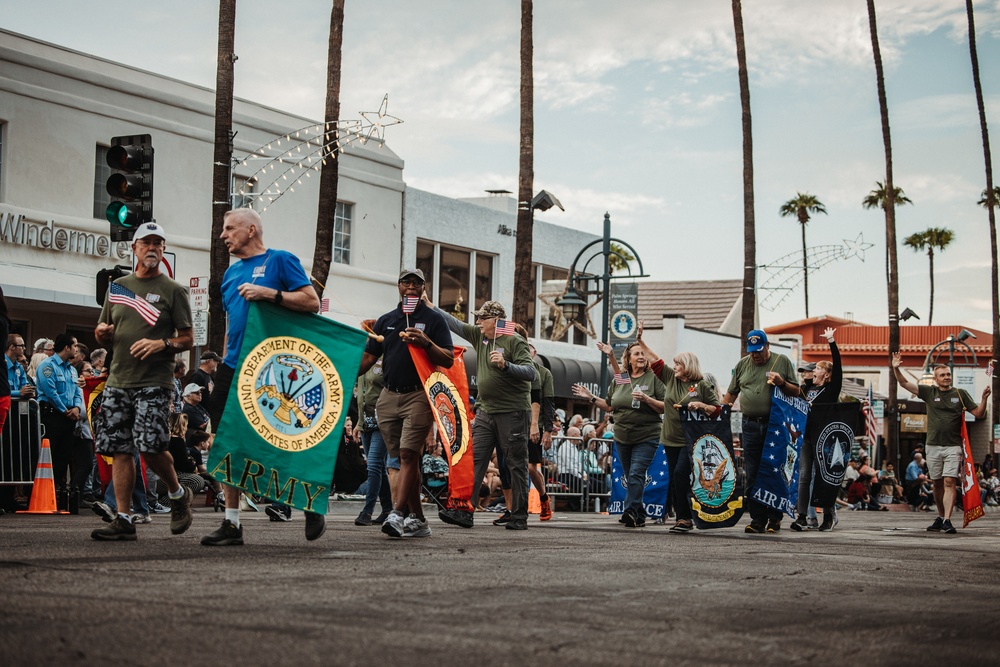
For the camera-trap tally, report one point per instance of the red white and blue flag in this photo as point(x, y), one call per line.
point(505, 327)
point(622, 378)
point(126, 297)
point(410, 303)
point(871, 426)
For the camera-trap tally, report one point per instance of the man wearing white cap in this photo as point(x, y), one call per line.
point(146, 321)
point(197, 415)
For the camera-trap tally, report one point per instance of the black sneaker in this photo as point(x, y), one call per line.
point(315, 526)
point(829, 521)
point(517, 524)
point(754, 527)
point(503, 519)
point(180, 512)
point(936, 526)
point(629, 518)
point(800, 523)
point(774, 525)
point(462, 518)
point(640, 522)
point(279, 512)
point(227, 535)
point(380, 519)
point(119, 529)
point(946, 527)
point(364, 519)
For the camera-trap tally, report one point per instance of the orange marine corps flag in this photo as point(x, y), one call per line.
point(972, 502)
point(448, 392)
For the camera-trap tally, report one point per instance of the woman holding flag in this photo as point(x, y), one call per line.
point(635, 400)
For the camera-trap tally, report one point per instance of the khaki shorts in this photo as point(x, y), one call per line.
point(404, 420)
point(943, 461)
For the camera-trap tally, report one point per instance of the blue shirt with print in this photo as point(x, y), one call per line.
point(16, 377)
point(55, 380)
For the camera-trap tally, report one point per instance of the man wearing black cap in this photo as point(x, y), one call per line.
point(754, 379)
point(204, 376)
point(404, 413)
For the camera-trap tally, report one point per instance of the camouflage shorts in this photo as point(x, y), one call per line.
point(133, 420)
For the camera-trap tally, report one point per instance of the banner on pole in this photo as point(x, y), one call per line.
point(716, 483)
point(830, 431)
point(778, 474)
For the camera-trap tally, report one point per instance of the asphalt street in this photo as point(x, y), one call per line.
point(580, 589)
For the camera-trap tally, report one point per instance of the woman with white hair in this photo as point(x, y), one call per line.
point(43, 349)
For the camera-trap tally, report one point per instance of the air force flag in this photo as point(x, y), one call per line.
point(656, 483)
point(777, 481)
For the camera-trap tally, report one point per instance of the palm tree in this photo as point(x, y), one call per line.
point(620, 258)
point(877, 199)
point(747, 312)
point(329, 172)
point(888, 204)
point(524, 277)
point(801, 207)
point(222, 158)
point(990, 203)
point(933, 237)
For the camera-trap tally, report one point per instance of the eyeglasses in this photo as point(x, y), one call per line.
point(17, 345)
point(152, 244)
point(409, 282)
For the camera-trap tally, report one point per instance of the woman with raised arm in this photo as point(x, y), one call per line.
point(635, 400)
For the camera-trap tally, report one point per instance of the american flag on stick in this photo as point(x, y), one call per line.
point(410, 303)
point(871, 426)
point(505, 327)
point(622, 378)
point(126, 297)
point(324, 305)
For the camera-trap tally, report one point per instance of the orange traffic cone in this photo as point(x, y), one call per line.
point(534, 501)
point(43, 491)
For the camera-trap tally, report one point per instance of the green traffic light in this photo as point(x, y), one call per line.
point(119, 214)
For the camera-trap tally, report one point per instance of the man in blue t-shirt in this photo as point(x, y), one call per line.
point(259, 274)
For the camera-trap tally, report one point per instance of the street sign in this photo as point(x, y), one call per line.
point(878, 409)
point(198, 293)
point(199, 323)
point(965, 378)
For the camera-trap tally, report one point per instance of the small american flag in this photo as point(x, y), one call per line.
point(622, 378)
point(871, 426)
point(989, 370)
point(324, 305)
point(505, 327)
point(126, 297)
point(410, 303)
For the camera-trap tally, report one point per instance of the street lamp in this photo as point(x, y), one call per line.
point(952, 341)
point(573, 304)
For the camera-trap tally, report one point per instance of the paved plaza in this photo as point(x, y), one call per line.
point(580, 589)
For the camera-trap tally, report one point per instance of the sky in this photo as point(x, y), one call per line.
point(637, 114)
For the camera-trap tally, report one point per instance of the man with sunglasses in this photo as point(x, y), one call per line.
point(20, 387)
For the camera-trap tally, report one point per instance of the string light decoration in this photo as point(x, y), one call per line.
point(295, 156)
point(784, 274)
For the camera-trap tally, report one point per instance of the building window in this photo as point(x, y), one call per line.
point(342, 233)
point(102, 172)
point(453, 274)
point(243, 194)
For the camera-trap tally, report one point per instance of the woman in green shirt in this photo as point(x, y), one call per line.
point(636, 407)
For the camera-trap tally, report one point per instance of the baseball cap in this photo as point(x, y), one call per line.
point(807, 367)
point(756, 340)
point(208, 355)
point(149, 229)
point(412, 272)
point(192, 389)
point(491, 309)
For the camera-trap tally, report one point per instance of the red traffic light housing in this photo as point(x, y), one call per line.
point(131, 186)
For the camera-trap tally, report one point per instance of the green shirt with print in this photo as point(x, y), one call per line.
point(636, 425)
point(368, 389)
point(750, 383)
point(944, 414)
point(681, 393)
point(497, 391)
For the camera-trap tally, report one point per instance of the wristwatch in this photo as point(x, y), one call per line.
point(593, 399)
point(278, 297)
point(166, 344)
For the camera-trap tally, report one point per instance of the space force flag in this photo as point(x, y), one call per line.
point(716, 487)
point(777, 480)
point(284, 416)
point(830, 431)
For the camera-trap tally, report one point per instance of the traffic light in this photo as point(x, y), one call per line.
point(131, 186)
point(104, 279)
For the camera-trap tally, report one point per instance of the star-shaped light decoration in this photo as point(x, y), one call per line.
point(376, 122)
point(857, 247)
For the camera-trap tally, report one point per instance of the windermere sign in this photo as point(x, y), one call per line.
point(20, 229)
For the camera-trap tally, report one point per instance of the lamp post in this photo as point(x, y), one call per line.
point(951, 341)
point(573, 304)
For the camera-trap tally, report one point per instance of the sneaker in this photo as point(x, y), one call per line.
point(516, 524)
point(754, 527)
point(503, 519)
point(141, 518)
point(247, 504)
point(936, 526)
point(461, 518)
point(946, 527)
point(629, 518)
point(119, 529)
point(104, 511)
point(157, 508)
point(315, 525)
point(180, 512)
point(774, 525)
point(393, 525)
point(800, 523)
point(546, 509)
point(640, 522)
point(227, 535)
point(681, 526)
point(414, 527)
point(812, 522)
point(829, 521)
point(279, 512)
point(380, 519)
point(364, 519)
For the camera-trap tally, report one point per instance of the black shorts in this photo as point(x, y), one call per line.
point(534, 452)
point(223, 381)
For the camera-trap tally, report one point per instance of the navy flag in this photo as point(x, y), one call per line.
point(777, 484)
point(716, 482)
point(830, 432)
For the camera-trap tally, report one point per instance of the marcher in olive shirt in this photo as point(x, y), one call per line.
point(636, 408)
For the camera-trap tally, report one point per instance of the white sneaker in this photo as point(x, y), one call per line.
point(393, 526)
point(141, 518)
point(414, 527)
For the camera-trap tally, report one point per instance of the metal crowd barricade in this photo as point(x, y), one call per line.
point(566, 483)
point(20, 442)
point(598, 487)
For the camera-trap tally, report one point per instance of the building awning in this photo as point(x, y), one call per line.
point(567, 372)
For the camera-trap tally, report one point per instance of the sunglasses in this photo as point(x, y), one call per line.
point(411, 283)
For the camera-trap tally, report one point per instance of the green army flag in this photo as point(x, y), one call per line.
point(285, 411)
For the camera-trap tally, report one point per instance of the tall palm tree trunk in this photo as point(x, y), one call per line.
point(329, 172)
point(747, 320)
point(221, 174)
point(524, 278)
point(991, 204)
point(892, 439)
point(930, 256)
point(805, 269)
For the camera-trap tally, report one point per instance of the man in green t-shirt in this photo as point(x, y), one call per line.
point(754, 379)
point(945, 407)
point(543, 405)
